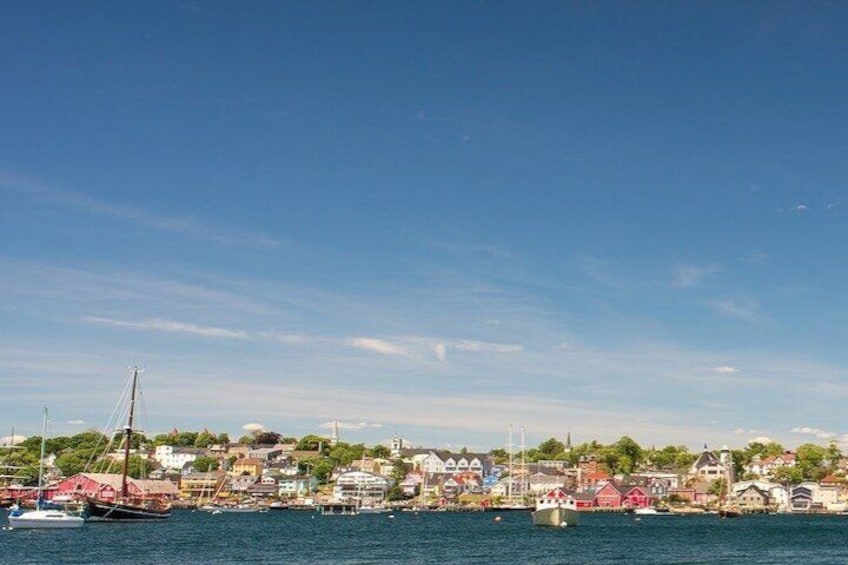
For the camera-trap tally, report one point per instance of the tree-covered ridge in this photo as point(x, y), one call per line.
point(88, 451)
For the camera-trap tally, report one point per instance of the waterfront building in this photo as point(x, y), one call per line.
point(754, 499)
point(296, 486)
point(106, 486)
point(201, 486)
point(361, 485)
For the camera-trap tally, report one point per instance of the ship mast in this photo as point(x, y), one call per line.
point(128, 430)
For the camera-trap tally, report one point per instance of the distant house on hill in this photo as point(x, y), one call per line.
point(710, 467)
point(765, 467)
point(247, 466)
point(171, 457)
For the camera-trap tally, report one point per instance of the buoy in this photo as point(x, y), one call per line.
point(391, 515)
point(563, 525)
point(497, 518)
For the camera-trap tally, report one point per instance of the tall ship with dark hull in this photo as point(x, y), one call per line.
point(126, 506)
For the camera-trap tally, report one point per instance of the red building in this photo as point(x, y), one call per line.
point(107, 486)
point(608, 496)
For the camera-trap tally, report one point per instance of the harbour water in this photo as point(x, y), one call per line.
point(437, 538)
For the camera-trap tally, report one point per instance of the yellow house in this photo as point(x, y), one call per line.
point(251, 467)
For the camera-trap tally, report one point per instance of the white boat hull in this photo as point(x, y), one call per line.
point(556, 516)
point(45, 519)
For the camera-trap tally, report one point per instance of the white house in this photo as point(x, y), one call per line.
point(171, 457)
point(292, 487)
point(709, 467)
point(361, 485)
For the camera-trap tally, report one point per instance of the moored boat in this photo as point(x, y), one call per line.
point(557, 509)
point(43, 517)
point(124, 507)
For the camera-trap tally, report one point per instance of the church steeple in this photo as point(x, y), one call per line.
point(568, 441)
point(335, 437)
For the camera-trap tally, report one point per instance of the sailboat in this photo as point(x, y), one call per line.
point(728, 506)
point(9, 472)
point(125, 507)
point(42, 517)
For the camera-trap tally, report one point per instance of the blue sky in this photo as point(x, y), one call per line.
point(431, 219)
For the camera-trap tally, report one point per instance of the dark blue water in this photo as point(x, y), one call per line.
point(437, 538)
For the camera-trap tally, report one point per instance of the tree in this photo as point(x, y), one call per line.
point(205, 439)
point(204, 464)
point(810, 458)
point(381, 452)
point(312, 443)
point(551, 447)
point(499, 455)
point(717, 487)
point(792, 475)
point(763, 450)
point(267, 438)
point(398, 475)
point(344, 454)
point(670, 457)
point(630, 454)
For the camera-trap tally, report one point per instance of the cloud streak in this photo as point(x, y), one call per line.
point(350, 425)
point(377, 346)
point(194, 227)
point(688, 276)
point(169, 326)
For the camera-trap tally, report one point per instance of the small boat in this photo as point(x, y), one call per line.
point(370, 509)
point(235, 508)
point(557, 509)
point(41, 517)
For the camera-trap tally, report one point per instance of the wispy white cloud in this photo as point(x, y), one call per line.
point(169, 326)
point(688, 276)
point(799, 208)
point(440, 350)
point(350, 425)
point(377, 346)
point(194, 227)
point(76, 422)
point(725, 370)
point(819, 433)
point(485, 347)
point(747, 311)
point(764, 440)
point(289, 338)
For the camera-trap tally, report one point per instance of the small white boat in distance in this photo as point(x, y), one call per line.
point(557, 509)
point(648, 510)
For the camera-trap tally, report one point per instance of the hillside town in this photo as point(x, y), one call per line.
point(270, 471)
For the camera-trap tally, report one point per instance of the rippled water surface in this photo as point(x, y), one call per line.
point(437, 538)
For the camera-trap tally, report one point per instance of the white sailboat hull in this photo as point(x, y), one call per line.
point(45, 519)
